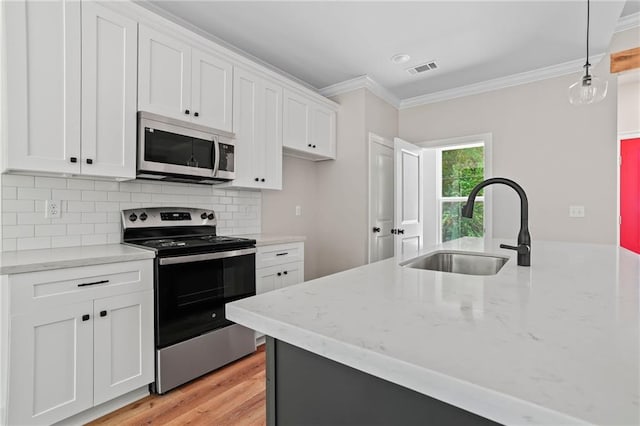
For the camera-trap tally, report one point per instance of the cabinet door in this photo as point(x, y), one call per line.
point(51, 374)
point(267, 279)
point(43, 85)
point(109, 72)
point(323, 131)
point(123, 351)
point(296, 121)
point(164, 74)
point(257, 124)
point(292, 273)
point(211, 87)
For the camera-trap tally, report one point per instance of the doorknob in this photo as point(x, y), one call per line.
point(376, 229)
point(394, 231)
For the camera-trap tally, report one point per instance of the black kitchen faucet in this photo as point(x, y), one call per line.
point(524, 239)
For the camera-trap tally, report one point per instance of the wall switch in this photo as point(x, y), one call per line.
point(576, 211)
point(298, 211)
point(52, 209)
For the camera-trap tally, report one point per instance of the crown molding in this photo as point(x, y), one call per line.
point(628, 22)
point(362, 82)
point(499, 83)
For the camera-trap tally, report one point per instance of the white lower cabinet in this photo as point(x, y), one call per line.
point(278, 266)
point(78, 337)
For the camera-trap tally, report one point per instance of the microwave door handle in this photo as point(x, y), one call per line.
point(216, 154)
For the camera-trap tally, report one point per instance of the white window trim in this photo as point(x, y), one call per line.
point(485, 139)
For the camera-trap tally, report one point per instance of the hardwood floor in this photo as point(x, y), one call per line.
point(232, 395)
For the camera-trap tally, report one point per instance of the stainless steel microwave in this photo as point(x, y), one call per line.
point(180, 151)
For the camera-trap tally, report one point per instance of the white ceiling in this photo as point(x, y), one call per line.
point(327, 42)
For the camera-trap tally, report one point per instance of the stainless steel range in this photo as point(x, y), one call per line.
point(196, 273)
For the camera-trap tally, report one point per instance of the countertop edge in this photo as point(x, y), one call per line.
point(484, 402)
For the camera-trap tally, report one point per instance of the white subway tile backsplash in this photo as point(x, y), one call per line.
point(34, 243)
point(92, 240)
point(80, 184)
point(118, 196)
point(18, 180)
point(47, 182)
point(66, 241)
point(9, 193)
point(90, 209)
point(50, 230)
point(17, 206)
point(66, 194)
point(34, 193)
point(94, 196)
point(80, 229)
point(105, 185)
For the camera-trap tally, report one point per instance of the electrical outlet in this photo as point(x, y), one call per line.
point(576, 211)
point(52, 209)
point(298, 211)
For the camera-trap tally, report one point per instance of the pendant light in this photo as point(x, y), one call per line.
point(588, 89)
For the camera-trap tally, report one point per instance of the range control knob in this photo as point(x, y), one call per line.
point(211, 216)
point(143, 216)
point(133, 217)
point(203, 216)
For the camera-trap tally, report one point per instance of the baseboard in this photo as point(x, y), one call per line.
point(105, 408)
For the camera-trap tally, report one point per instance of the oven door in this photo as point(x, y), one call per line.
point(169, 149)
point(191, 292)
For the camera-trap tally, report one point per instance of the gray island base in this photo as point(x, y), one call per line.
point(307, 389)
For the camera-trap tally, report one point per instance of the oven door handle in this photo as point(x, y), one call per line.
point(205, 256)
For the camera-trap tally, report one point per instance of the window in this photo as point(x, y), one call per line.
point(460, 169)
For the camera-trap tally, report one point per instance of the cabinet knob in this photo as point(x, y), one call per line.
point(314, 146)
point(262, 180)
point(73, 159)
point(257, 179)
point(86, 317)
point(196, 114)
point(103, 313)
point(186, 111)
point(279, 273)
point(309, 145)
point(89, 161)
point(285, 272)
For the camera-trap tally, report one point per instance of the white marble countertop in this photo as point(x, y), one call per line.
point(271, 239)
point(556, 343)
point(15, 262)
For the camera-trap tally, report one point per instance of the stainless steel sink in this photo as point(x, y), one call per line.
point(458, 262)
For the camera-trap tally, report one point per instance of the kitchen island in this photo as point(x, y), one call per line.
point(555, 343)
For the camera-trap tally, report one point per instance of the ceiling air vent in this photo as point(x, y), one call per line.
point(427, 66)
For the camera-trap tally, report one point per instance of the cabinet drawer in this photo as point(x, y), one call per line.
point(279, 254)
point(32, 291)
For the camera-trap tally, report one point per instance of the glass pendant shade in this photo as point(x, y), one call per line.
point(587, 90)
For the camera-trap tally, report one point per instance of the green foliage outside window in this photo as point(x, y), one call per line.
point(462, 169)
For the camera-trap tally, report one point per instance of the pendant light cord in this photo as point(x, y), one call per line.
point(587, 64)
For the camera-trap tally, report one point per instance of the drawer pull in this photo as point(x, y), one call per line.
point(93, 283)
point(281, 254)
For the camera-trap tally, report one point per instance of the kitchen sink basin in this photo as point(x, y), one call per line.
point(458, 262)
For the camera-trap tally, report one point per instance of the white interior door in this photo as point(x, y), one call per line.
point(408, 198)
point(381, 200)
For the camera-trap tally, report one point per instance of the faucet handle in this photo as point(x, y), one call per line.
point(521, 249)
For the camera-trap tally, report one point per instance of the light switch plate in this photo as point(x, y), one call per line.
point(576, 211)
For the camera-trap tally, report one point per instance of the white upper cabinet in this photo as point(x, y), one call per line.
point(164, 80)
point(109, 71)
point(257, 118)
point(183, 82)
point(71, 78)
point(43, 86)
point(309, 128)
